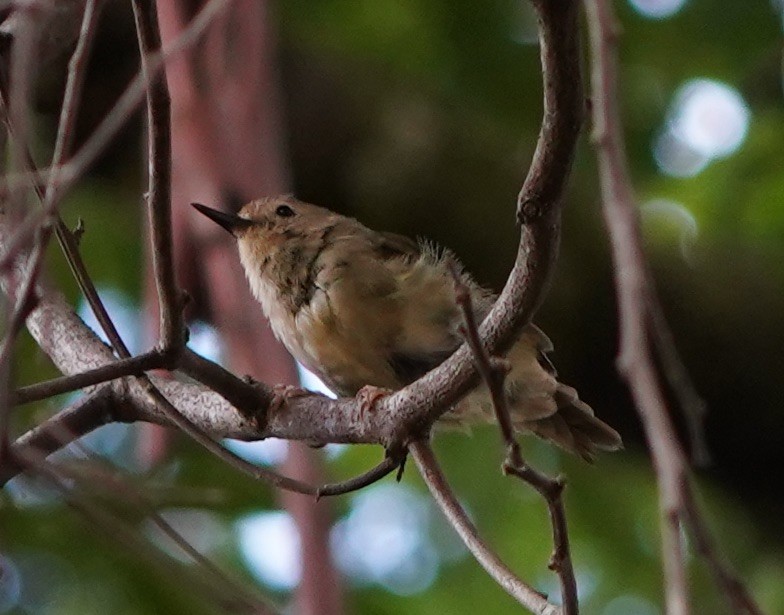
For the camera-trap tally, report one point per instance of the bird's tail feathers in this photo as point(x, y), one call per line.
point(573, 426)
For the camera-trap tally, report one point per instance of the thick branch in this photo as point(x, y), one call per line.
point(422, 402)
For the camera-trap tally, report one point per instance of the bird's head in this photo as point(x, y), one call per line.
point(272, 231)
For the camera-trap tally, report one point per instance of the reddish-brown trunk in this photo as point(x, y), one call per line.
point(227, 147)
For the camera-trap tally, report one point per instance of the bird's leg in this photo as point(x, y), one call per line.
point(367, 397)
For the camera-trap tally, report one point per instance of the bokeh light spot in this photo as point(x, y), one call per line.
point(710, 117)
point(124, 313)
point(657, 9)
point(706, 120)
point(676, 215)
point(675, 158)
point(384, 539)
point(201, 529)
point(270, 545)
point(311, 382)
point(269, 452)
point(204, 339)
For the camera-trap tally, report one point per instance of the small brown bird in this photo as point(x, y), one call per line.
point(362, 308)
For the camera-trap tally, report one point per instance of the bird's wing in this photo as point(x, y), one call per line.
point(392, 245)
point(410, 366)
point(544, 346)
point(427, 327)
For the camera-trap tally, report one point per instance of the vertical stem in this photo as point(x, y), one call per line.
point(172, 327)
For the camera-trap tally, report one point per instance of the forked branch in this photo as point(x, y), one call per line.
point(493, 371)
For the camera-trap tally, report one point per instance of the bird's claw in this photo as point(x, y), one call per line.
point(367, 397)
point(282, 393)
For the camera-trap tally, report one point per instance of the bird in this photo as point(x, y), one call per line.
point(368, 310)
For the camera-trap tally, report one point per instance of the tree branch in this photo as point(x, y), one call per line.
point(493, 371)
point(418, 405)
point(130, 366)
point(635, 298)
point(439, 488)
point(79, 418)
point(120, 113)
point(172, 325)
point(210, 583)
point(205, 415)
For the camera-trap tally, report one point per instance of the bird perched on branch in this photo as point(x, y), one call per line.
point(364, 309)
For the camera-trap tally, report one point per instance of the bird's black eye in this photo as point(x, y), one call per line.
point(284, 211)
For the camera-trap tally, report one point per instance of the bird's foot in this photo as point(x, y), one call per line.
point(282, 393)
point(367, 397)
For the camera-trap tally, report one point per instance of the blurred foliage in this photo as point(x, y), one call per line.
point(420, 116)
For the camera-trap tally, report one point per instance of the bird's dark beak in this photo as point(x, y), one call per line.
point(231, 222)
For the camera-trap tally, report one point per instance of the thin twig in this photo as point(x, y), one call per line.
point(120, 113)
point(49, 217)
point(130, 366)
point(87, 286)
point(493, 372)
point(439, 488)
point(221, 594)
point(388, 465)
point(41, 221)
point(22, 70)
point(23, 303)
point(172, 325)
point(741, 600)
point(693, 406)
point(237, 462)
point(635, 361)
point(73, 257)
point(256, 472)
point(77, 70)
point(76, 420)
